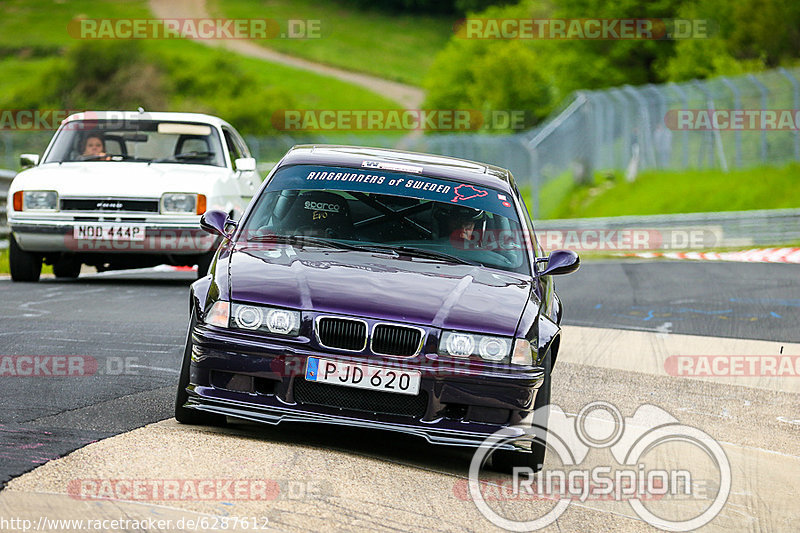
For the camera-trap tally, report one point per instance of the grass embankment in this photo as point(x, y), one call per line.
point(43, 67)
point(394, 46)
point(661, 192)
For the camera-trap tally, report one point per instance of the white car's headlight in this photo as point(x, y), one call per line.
point(267, 319)
point(488, 348)
point(183, 203)
point(38, 200)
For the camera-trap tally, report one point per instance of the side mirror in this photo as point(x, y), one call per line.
point(215, 221)
point(28, 160)
point(560, 262)
point(245, 164)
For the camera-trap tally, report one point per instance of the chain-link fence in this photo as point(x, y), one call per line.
point(725, 122)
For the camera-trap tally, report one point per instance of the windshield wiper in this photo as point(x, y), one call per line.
point(426, 254)
point(324, 242)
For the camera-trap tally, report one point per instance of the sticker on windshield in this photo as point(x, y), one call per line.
point(392, 166)
point(370, 181)
point(468, 192)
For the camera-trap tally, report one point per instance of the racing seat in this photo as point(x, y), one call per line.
point(318, 214)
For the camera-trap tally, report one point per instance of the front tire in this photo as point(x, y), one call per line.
point(506, 460)
point(183, 414)
point(66, 268)
point(24, 266)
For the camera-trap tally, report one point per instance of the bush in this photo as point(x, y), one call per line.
point(125, 75)
point(443, 7)
point(109, 75)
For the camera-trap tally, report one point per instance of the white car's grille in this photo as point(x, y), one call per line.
point(129, 205)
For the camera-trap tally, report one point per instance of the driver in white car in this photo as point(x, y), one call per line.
point(94, 147)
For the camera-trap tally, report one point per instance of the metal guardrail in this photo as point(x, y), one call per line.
point(5, 181)
point(691, 231)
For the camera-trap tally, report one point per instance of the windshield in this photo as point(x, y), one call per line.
point(148, 141)
point(387, 212)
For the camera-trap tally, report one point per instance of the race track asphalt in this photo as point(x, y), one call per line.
point(139, 319)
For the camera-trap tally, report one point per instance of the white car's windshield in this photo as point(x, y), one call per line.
point(147, 141)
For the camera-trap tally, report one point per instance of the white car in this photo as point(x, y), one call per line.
point(119, 190)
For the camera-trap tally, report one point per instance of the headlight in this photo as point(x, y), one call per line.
point(493, 348)
point(488, 348)
point(38, 201)
point(267, 319)
point(459, 344)
point(183, 203)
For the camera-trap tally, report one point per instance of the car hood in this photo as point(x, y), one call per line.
point(124, 179)
point(418, 291)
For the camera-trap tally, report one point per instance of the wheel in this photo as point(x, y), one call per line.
point(24, 266)
point(204, 263)
point(183, 414)
point(66, 267)
point(506, 460)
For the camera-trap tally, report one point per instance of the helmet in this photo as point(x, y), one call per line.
point(451, 218)
point(457, 214)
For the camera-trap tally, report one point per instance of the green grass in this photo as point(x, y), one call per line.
point(43, 23)
point(32, 48)
point(694, 191)
point(310, 91)
point(394, 46)
point(46, 269)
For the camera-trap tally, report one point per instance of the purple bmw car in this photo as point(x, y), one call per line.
point(379, 289)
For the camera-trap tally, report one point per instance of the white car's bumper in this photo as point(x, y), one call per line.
point(162, 234)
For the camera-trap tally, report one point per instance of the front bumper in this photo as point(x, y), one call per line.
point(176, 236)
point(238, 375)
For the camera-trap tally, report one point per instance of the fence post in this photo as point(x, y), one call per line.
point(624, 134)
point(796, 101)
point(717, 137)
point(644, 135)
point(685, 134)
point(737, 104)
point(764, 92)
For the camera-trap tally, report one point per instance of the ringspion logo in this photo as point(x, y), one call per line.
point(689, 465)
